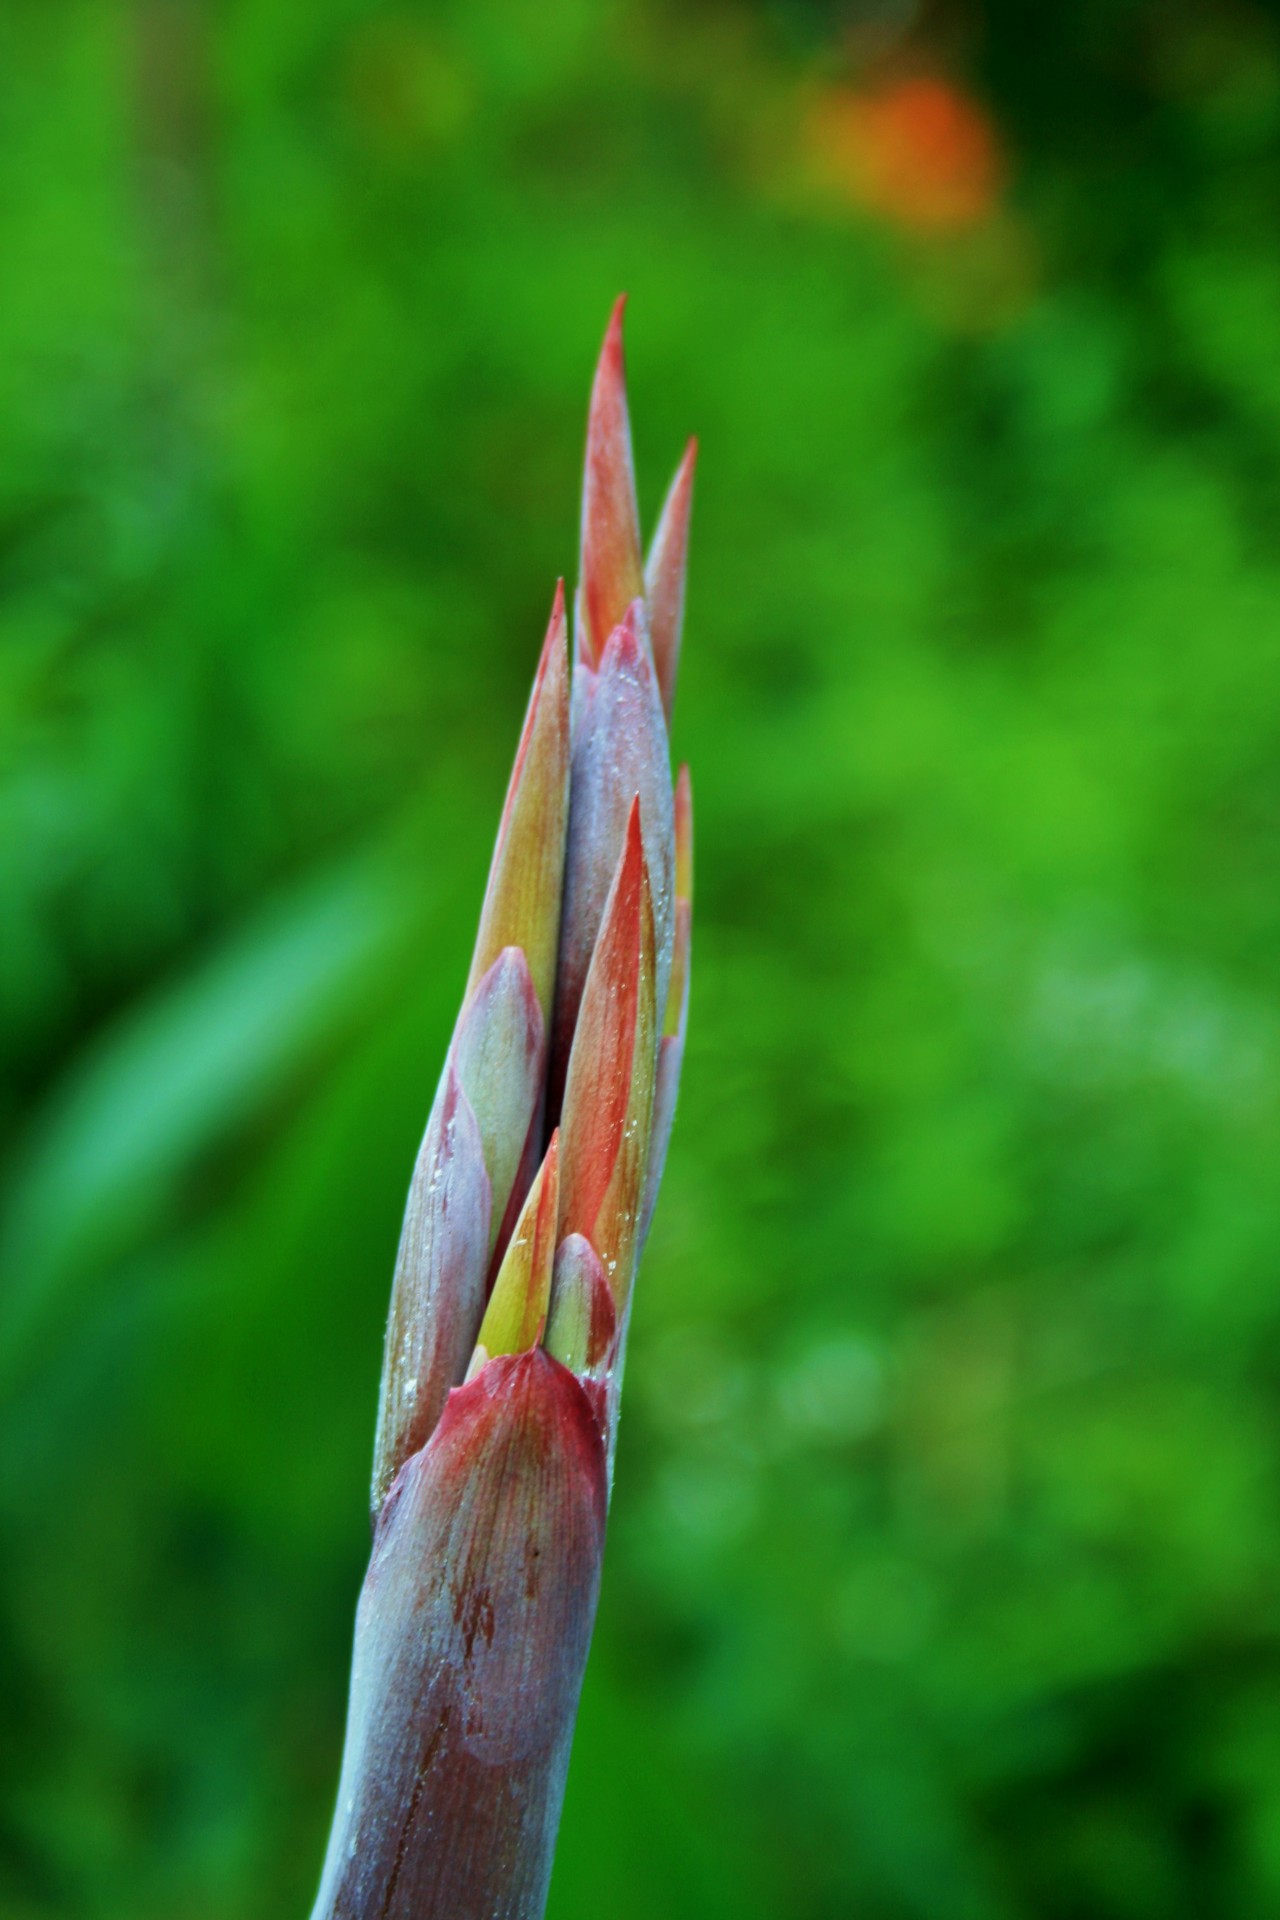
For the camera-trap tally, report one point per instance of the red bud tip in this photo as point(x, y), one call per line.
point(610, 570)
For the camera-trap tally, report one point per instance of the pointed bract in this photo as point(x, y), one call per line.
point(522, 900)
point(664, 576)
point(608, 1099)
point(471, 1638)
point(517, 1309)
point(620, 750)
point(499, 1051)
point(610, 575)
point(437, 1296)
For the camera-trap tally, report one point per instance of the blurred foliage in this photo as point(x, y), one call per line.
point(944, 1573)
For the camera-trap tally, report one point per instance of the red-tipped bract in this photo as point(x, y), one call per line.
point(609, 569)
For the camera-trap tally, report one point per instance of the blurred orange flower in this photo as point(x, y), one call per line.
point(917, 151)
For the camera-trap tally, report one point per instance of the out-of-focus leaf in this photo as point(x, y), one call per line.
point(182, 1073)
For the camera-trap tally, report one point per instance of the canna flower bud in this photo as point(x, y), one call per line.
point(528, 1208)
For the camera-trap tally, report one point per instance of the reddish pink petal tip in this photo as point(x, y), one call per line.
point(611, 574)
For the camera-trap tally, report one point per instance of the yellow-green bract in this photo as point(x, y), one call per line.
point(527, 1213)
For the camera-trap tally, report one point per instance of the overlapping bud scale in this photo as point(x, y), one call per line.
point(528, 1209)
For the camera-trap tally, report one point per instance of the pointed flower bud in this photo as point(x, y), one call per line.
point(664, 577)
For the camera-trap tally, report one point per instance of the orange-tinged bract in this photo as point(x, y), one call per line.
point(608, 1099)
point(529, 1205)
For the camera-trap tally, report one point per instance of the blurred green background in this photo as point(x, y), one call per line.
point(944, 1571)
